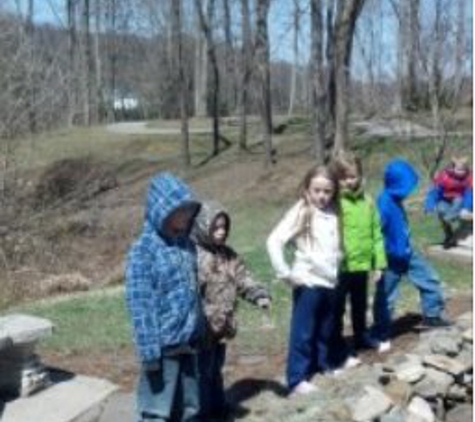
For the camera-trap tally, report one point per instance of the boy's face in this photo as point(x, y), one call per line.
point(179, 222)
point(350, 181)
point(219, 231)
point(459, 170)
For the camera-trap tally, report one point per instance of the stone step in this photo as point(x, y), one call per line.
point(119, 408)
point(458, 254)
point(71, 398)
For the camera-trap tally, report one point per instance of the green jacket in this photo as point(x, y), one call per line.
point(363, 243)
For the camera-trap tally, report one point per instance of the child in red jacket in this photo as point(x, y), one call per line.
point(447, 196)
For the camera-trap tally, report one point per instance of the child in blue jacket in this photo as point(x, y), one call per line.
point(400, 180)
point(164, 304)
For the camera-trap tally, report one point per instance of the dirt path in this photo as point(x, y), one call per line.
point(141, 128)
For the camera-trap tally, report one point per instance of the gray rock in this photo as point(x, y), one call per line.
point(465, 321)
point(457, 393)
point(462, 413)
point(25, 328)
point(468, 335)
point(396, 414)
point(445, 364)
point(435, 384)
point(419, 409)
point(466, 356)
point(410, 371)
point(400, 392)
point(371, 405)
point(443, 342)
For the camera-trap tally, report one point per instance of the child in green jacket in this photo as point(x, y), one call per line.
point(363, 249)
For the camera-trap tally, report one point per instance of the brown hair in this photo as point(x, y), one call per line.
point(316, 171)
point(345, 162)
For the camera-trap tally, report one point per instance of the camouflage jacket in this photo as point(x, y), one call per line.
point(223, 277)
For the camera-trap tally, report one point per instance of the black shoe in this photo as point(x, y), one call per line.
point(366, 343)
point(436, 322)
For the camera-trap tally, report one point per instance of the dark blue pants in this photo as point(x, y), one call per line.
point(427, 281)
point(354, 285)
point(212, 397)
point(310, 332)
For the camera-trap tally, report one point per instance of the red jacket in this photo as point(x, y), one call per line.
point(452, 186)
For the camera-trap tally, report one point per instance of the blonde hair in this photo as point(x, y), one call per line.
point(306, 218)
point(345, 162)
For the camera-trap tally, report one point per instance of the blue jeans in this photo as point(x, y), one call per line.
point(450, 211)
point(310, 333)
point(213, 400)
point(171, 392)
point(426, 280)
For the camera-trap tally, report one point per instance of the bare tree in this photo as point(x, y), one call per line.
point(182, 83)
point(295, 67)
point(206, 27)
point(263, 73)
point(201, 68)
point(245, 70)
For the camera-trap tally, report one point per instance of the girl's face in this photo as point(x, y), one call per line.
point(219, 231)
point(350, 181)
point(320, 192)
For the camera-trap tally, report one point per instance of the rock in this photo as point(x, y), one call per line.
point(445, 364)
point(457, 393)
point(395, 415)
point(462, 413)
point(22, 329)
point(435, 384)
point(400, 392)
point(468, 335)
point(371, 405)
point(444, 342)
point(466, 355)
point(465, 321)
point(419, 409)
point(409, 371)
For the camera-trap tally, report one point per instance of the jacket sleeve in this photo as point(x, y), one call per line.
point(467, 203)
point(285, 230)
point(247, 287)
point(379, 252)
point(140, 298)
point(432, 198)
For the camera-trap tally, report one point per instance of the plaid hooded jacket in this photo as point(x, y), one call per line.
point(161, 286)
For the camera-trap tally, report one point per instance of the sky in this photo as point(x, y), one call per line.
point(280, 27)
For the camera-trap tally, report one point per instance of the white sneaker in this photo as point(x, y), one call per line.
point(384, 347)
point(303, 388)
point(351, 362)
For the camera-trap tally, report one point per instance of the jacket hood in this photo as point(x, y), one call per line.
point(202, 228)
point(400, 179)
point(166, 194)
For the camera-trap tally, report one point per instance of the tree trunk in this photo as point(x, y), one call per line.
point(319, 94)
point(72, 47)
point(178, 48)
point(206, 27)
point(99, 93)
point(230, 65)
point(245, 72)
point(459, 52)
point(295, 67)
point(348, 12)
point(201, 70)
point(263, 66)
point(31, 78)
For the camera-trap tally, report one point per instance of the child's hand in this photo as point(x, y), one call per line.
point(375, 276)
point(264, 303)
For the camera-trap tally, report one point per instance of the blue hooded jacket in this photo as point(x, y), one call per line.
point(400, 180)
point(161, 287)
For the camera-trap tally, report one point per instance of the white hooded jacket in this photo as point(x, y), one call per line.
point(317, 257)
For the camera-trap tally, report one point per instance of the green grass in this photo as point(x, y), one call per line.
point(100, 322)
point(96, 321)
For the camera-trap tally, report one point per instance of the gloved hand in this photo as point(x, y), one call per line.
point(152, 365)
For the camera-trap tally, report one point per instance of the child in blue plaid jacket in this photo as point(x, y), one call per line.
point(164, 304)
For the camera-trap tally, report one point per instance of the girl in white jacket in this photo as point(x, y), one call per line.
point(311, 225)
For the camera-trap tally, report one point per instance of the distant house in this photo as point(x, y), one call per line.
point(125, 103)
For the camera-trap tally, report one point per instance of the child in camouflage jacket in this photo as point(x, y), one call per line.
point(223, 278)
